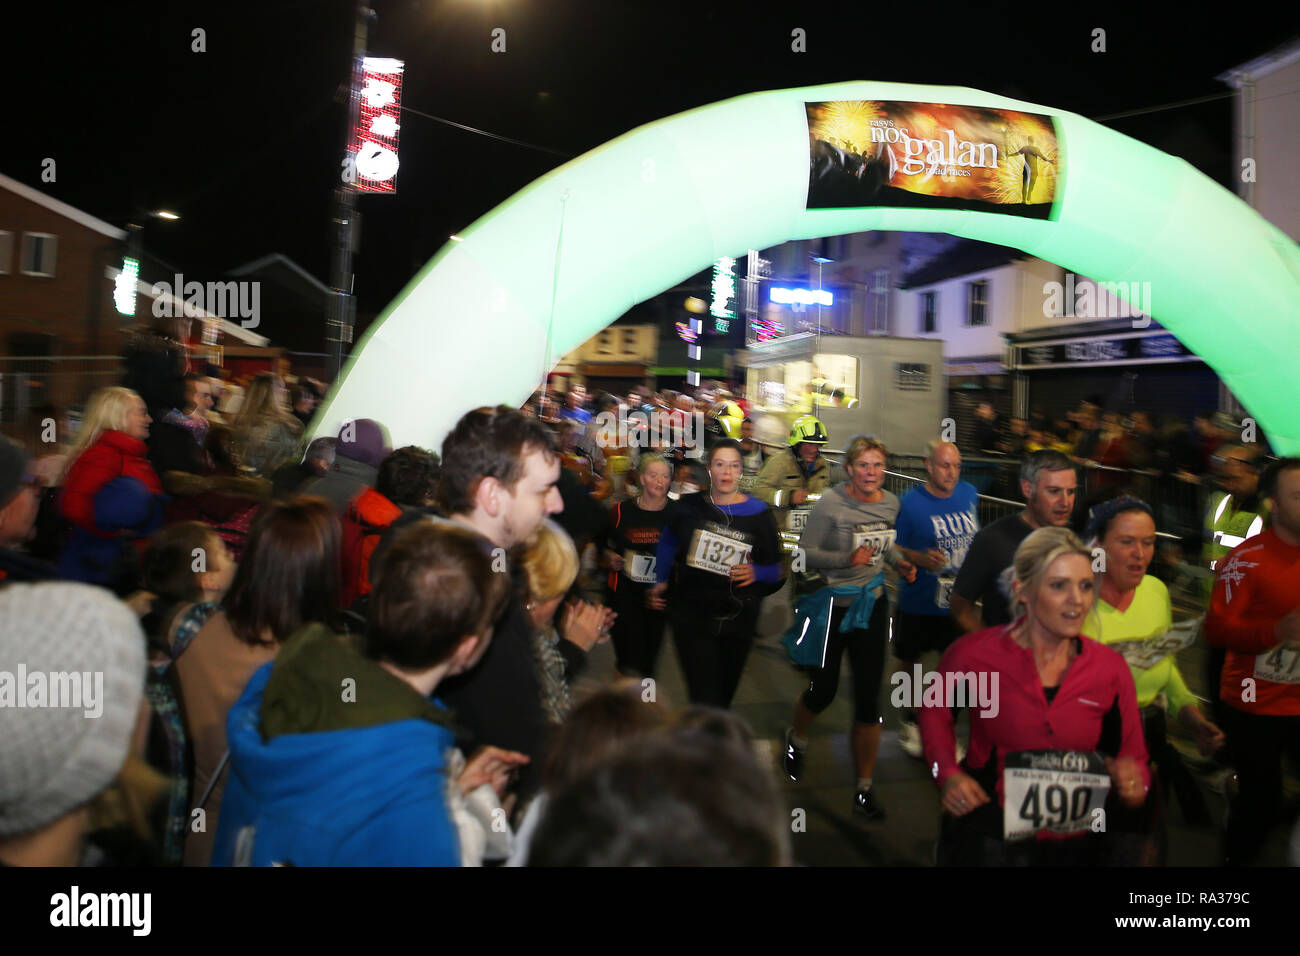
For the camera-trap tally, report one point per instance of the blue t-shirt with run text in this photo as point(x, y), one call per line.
point(926, 522)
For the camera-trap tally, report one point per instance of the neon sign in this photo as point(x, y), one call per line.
point(373, 144)
point(124, 286)
point(724, 292)
point(785, 296)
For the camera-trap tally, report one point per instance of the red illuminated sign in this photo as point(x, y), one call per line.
point(374, 136)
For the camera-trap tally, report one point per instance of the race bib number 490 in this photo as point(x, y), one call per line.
point(1056, 791)
point(1280, 665)
point(877, 536)
point(716, 553)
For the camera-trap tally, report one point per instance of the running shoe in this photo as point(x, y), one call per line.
point(909, 738)
point(866, 805)
point(792, 759)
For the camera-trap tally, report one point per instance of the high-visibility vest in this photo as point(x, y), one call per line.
point(1226, 528)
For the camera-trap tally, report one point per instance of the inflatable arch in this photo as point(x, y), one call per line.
point(484, 320)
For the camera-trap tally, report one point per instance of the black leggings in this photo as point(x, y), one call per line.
point(866, 660)
point(1257, 743)
point(713, 648)
point(638, 631)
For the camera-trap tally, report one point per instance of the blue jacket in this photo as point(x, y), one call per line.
point(369, 796)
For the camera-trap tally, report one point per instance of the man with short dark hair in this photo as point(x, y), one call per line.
point(176, 441)
point(500, 469)
point(1048, 482)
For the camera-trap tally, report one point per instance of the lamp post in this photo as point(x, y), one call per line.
point(343, 307)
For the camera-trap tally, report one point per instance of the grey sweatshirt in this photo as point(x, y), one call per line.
point(834, 524)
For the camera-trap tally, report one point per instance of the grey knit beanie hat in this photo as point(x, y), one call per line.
point(72, 666)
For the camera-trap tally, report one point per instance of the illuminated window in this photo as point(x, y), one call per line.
point(977, 294)
point(929, 312)
point(39, 251)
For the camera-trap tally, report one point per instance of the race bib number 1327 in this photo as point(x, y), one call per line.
point(715, 552)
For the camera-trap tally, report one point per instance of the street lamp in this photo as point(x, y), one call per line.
point(820, 260)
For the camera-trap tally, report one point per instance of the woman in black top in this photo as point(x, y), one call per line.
point(723, 554)
point(630, 546)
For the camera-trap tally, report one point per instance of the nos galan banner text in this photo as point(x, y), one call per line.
point(931, 156)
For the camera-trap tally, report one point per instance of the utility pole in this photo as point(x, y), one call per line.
point(343, 307)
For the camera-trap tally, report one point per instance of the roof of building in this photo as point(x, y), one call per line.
point(962, 259)
point(1273, 60)
point(279, 259)
point(62, 208)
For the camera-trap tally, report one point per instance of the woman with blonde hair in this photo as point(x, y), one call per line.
point(264, 426)
point(111, 496)
point(550, 562)
point(1054, 722)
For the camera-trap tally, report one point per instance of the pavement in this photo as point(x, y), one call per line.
point(831, 835)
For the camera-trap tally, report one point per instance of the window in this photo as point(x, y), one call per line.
point(6, 252)
point(39, 250)
point(605, 343)
point(629, 341)
point(929, 319)
point(912, 376)
point(977, 297)
point(879, 302)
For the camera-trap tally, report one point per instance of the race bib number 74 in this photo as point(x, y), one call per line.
point(1052, 790)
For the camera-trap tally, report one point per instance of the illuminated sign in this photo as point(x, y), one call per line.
point(373, 145)
point(785, 296)
point(125, 285)
point(724, 293)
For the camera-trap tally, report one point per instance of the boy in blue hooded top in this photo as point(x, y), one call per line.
point(338, 748)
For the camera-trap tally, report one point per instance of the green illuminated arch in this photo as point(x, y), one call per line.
point(567, 255)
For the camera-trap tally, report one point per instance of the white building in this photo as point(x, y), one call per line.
point(1266, 115)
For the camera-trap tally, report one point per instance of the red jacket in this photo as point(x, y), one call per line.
point(1257, 584)
point(114, 454)
point(1097, 683)
point(363, 523)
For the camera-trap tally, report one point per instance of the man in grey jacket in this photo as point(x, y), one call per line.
point(360, 449)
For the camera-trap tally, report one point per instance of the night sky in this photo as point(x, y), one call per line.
point(245, 139)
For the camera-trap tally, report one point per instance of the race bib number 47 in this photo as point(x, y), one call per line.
point(1280, 665)
point(1052, 790)
point(716, 553)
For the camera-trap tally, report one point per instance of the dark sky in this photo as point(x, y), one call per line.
point(244, 140)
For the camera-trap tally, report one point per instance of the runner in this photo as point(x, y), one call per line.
point(1048, 482)
point(722, 552)
point(936, 523)
point(1043, 748)
point(850, 535)
point(630, 547)
point(1135, 617)
point(1255, 614)
point(753, 456)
